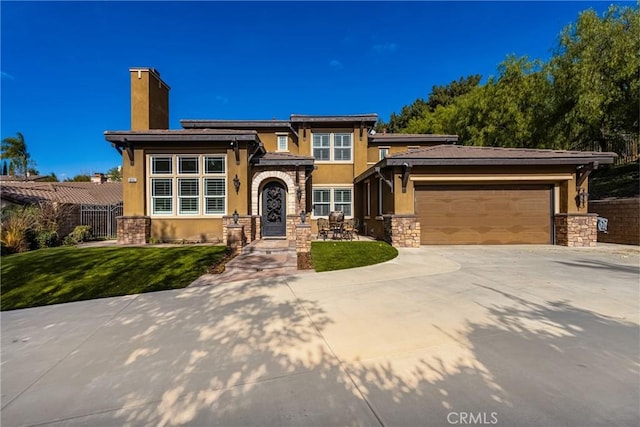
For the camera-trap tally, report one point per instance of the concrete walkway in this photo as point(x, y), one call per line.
point(440, 336)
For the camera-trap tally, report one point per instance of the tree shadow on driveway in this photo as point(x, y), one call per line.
point(253, 353)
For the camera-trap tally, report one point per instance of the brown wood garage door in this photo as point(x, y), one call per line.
point(470, 214)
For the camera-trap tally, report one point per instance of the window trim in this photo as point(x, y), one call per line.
point(332, 147)
point(332, 198)
point(175, 178)
point(386, 151)
point(286, 141)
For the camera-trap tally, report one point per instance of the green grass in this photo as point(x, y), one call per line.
point(328, 256)
point(65, 274)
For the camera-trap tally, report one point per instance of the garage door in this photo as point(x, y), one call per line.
point(457, 214)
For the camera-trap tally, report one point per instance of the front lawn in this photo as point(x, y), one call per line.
point(65, 274)
point(329, 256)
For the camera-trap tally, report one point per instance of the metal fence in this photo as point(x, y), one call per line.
point(101, 218)
point(627, 149)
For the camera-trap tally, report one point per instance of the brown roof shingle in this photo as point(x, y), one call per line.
point(90, 193)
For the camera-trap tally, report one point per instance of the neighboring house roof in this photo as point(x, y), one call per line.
point(272, 159)
point(411, 138)
point(88, 193)
point(12, 178)
point(458, 155)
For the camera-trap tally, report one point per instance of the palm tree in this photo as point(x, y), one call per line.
point(14, 149)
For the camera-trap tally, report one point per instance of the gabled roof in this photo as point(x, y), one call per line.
point(90, 193)
point(458, 155)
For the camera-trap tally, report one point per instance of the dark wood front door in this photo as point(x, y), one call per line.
point(274, 214)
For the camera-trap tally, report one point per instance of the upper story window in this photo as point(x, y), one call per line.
point(384, 152)
point(283, 142)
point(336, 147)
point(181, 185)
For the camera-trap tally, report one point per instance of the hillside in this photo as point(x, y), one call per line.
point(615, 181)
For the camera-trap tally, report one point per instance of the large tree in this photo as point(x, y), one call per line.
point(595, 79)
point(14, 149)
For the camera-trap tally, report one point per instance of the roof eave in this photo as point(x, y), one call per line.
point(399, 161)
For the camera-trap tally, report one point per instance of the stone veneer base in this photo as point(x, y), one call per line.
point(133, 230)
point(576, 230)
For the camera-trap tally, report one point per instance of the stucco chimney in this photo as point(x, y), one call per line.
point(149, 100)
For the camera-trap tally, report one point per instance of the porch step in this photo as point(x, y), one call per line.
point(263, 255)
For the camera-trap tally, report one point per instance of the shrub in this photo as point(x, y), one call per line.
point(47, 239)
point(80, 234)
point(17, 223)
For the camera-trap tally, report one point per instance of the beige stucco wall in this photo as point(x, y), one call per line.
point(189, 229)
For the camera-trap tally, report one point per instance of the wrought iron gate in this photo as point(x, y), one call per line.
point(101, 219)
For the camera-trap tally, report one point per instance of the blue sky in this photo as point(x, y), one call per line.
point(65, 78)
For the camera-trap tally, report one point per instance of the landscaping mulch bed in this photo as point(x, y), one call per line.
point(220, 265)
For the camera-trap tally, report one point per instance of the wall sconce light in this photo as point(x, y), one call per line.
point(582, 198)
point(235, 216)
point(236, 183)
point(299, 193)
point(303, 216)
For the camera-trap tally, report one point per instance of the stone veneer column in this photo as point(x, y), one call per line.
point(402, 231)
point(249, 230)
point(303, 238)
point(235, 238)
point(576, 230)
point(133, 230)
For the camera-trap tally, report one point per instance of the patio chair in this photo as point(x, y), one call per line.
point(350, 229)
point(323, 228)
point(336, 221)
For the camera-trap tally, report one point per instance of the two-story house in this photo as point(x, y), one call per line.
point(186, 184)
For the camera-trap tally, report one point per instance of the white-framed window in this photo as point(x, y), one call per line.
point(367, 207)
point(161, 196)
point(380, 193)
point(187, 185)
point(321, 147)
point(384, 152)
point(283, 142)
point(329, 199)
point(342, 147)
point(336, 147)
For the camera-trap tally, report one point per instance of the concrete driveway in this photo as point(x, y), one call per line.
point(440, 336)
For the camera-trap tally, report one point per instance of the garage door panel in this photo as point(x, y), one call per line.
point(484, 214)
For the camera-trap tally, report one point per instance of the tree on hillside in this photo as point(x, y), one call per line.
point(415, 117)
point(446, 95)
point(595, 78)
point(14, 149)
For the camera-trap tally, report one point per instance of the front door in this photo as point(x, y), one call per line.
point(274, 215)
